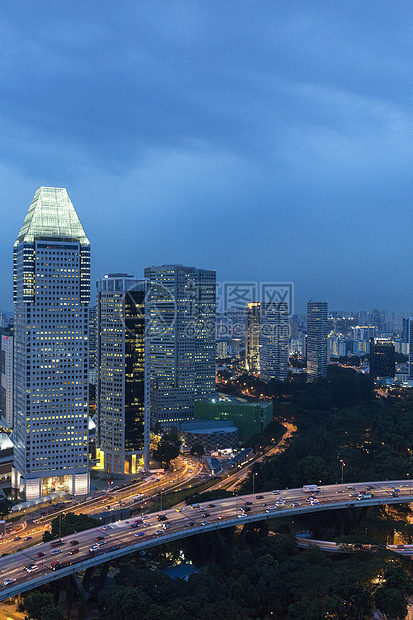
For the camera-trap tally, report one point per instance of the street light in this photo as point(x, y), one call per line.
point(253, 482)
point(342, 470)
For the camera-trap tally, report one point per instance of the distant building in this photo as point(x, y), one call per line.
point(6, 371)
point(222, 349)
point(250, 418)
point(181, 341)
point(123, 389)
point(252, 338)
point(382, 360)
point(274, 338)
point(410, 342)
point(317, 315)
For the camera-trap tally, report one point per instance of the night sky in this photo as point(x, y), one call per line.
point(269, 140)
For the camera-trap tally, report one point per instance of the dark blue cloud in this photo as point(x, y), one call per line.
point(268, 140)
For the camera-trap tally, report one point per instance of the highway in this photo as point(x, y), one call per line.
point(120, 539)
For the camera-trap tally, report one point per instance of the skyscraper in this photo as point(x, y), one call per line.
point(51, 297)
point(122, 402)
point(274, 336)
point(317, 316)
point(252, 338)
point(181, 340)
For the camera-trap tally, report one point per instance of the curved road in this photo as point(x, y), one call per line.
point(120, 539)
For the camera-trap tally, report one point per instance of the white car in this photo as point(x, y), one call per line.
point(8, 582)
point(31, 567)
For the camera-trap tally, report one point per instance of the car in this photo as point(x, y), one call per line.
point(245, 509)
point(370, 487)
point(74, 543)
point(73, 551)
point(140, 534)
point(205, 522)
point(162, 518)
point(340, 491)
point(94, 548)
point(221, 517)
point(40, 554)
point(8, 582)
point(100, 538)
point(397, 490)
point(205, 514)
point(295, 504)
point(248, 503)
point(211, 506)
point(349, 488)
point(31, 568)
point(179, 509)
point(107, 527)
point(166, 526)
point(190, 524)
point(133, 525)
point(158, 532)
point(276, 492)
point(115, 548)
point(17, 538)
point(56, 551)
point(145, 517)
point(28, 538)
point(259, 497)
point(241, 515)
point(353, 494)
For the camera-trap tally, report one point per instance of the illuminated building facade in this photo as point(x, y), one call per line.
point(181, 340)
point(317, 354)
point(122, 401)
point(252, 338)
point(51, 297)
point(274, 339)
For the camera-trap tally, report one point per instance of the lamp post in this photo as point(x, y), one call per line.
point(253, 482)
point(342, 470)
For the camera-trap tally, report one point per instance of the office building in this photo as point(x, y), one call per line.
point(316, 339)
point(252, 338)
point(181, 341)
point(274, 339)
point(51, 298)
point(382, 359)
point(122, 401)
point(250, 418)
point(6, 374)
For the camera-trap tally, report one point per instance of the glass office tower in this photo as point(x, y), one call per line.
point(51, 297)
point(122, 402)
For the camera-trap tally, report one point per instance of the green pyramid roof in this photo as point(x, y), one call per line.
point(52, 215)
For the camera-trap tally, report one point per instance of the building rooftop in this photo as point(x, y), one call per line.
point(52, 215)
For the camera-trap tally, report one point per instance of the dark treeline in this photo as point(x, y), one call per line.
point(340, 419)
point(261, 578)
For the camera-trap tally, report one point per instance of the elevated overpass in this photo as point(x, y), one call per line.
point(120, 539)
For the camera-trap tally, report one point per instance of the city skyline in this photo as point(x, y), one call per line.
point(198, 133)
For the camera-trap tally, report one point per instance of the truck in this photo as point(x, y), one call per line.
point(311, 488)
point(365, 496)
